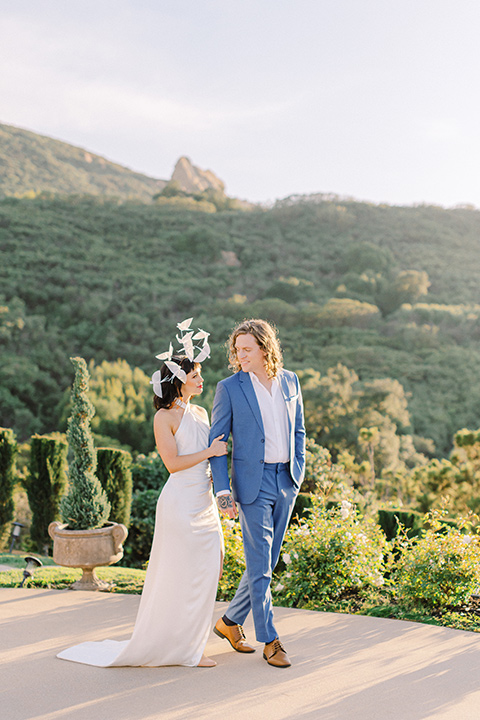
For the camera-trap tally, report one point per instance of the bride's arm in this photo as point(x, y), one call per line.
point(167, 447)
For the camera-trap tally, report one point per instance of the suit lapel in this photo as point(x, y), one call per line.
point(286, 392)
point(247, 387)
point(284, 384)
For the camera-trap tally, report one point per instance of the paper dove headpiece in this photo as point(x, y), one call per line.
point(188, 348)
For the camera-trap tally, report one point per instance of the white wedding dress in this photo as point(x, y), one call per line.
point(176, 608)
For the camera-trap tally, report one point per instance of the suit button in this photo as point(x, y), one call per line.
point(262, 440)
point(261, 461)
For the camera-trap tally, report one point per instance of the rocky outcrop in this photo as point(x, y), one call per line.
point(192, 179)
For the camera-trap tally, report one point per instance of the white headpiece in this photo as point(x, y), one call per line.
point(186, 340)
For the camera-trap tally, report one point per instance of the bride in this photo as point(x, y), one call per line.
point(175, 612)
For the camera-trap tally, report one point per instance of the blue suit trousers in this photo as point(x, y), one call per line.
point(263, 523)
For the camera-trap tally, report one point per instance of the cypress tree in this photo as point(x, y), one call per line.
point(46, 483)
point(8, 452)
point(85, 506)
point(114, 470)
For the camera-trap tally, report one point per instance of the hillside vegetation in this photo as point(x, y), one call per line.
point(377, 309)
point(32, 163)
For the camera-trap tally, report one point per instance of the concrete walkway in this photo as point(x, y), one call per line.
point(344, 667)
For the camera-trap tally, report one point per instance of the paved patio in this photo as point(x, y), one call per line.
point(344, 667)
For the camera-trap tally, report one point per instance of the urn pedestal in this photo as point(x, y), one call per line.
point(87, 549)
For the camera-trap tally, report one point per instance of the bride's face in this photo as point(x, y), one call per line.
point(194, 383)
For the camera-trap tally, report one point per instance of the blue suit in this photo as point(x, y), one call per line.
point(265, 492)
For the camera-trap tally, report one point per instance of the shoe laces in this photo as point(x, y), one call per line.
point(277, 647)
point(241, 634)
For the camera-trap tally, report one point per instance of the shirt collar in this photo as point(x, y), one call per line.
point(275, 384)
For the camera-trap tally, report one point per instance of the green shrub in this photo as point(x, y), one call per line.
point(391, 520)
point(292, 290)
point(45, 485)
point(441, 568)
point(142, 525)
point(303, 504)
point(8, 452)
point(115, 475)
point(149, 472)
point(233, 562)
point(331, 554)
point(149, 475)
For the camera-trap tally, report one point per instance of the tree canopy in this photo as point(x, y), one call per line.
point(376, 301)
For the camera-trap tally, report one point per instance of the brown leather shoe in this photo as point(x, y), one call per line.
point(275, 654)
point(235, 636)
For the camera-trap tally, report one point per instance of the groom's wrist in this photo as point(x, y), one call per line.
point(226, 504)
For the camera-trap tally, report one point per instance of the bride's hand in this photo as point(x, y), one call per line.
point(218, 447)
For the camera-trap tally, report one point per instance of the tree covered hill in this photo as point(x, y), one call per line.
point(377, 306)
point(32, 163)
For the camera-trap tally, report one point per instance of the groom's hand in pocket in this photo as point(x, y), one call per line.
point(226, 505)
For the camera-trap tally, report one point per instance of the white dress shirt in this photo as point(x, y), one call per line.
point(275, 420)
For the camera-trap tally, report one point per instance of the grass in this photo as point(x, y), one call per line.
point(124, 580)
point(462, 618)
point(17, 560)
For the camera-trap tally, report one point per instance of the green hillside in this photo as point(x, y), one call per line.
point(389, 293)
point(31, 164)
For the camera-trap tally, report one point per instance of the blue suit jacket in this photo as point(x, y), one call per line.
point(236, 412)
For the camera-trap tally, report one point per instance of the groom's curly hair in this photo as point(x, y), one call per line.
point(267, 339)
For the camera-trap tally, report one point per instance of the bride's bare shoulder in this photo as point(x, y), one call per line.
point(163, 417)
point(200, 410)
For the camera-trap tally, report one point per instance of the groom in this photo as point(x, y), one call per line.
point(261, 406)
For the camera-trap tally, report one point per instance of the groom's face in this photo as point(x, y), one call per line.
point(249, 354)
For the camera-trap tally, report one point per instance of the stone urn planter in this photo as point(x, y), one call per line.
point(87, 549)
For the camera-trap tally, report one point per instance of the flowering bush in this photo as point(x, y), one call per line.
point(234, 561)
point(329, 556)
point(441, 568)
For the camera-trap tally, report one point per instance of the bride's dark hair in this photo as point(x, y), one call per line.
point(172, 389)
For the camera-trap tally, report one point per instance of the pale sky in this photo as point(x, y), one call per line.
point(373, 99)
